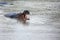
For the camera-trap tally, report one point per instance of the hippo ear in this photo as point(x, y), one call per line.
point(26, 11)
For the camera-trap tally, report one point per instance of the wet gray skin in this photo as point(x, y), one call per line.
point(44, 23)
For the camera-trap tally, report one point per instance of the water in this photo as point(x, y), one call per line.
point(44, 23)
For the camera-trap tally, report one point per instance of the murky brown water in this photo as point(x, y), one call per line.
point(44, 23)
